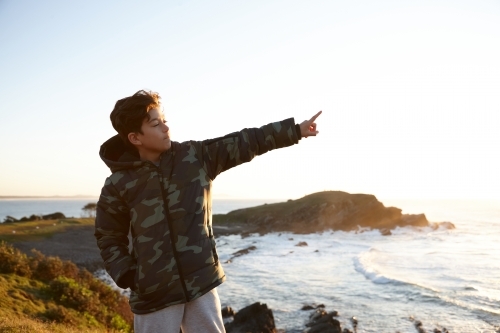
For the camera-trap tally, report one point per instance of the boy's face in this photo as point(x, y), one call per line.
point(155, 137)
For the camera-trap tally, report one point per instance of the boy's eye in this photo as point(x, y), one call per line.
point(156, 123)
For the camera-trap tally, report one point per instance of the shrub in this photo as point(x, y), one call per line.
point(71, 288)
point(13, 261)
point(98, 307)
point(73, 295)
point(48, 268)
point(119, 324)
point(107, 296)
point(58, 314)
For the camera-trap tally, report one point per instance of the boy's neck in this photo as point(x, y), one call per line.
point(150, 156)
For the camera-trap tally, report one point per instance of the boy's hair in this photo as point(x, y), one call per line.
point(130, 112)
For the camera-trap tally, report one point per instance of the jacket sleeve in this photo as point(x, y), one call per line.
point(111, 231)
point(223, 153)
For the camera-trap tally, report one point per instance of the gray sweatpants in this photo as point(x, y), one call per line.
point(201, 315)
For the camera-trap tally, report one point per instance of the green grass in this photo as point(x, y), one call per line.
point(36, 230)
point(30, 304)
point(25, 302)
point(47, 294)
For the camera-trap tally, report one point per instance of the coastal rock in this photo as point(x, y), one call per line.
point(312, 307)
point(385, 232)
point(420, 327)
point(255, 318)
point(321, 321)
point(445, 225)
point(322, 211)
point(354, 322)
point(241, 252)
point(227, 311)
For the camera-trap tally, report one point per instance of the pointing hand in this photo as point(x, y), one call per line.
point(308, 127)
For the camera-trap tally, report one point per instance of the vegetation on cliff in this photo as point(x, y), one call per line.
point(328, 210)
point(38, 230)
point(47, 294)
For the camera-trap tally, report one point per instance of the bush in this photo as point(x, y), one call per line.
point(98, 301)
point(48, 268)
point(119, 324)
point(70, 287)
point(58, 314)
point(107, 296)
point(73, 295)
point(13, 261)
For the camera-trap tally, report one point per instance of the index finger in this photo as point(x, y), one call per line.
point(315, 116)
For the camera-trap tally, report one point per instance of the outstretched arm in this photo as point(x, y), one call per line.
point(220, 154)
point(308, 127)
point(223, 153)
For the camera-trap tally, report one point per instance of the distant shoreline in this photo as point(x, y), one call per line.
point(48, 197)
point(97, 197)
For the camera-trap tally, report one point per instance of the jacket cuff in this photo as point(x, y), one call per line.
point(297, 129)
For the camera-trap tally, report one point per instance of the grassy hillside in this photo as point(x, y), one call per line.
point(46, 294)
point(36, 230)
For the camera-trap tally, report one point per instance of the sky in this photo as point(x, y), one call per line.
point(410, 91)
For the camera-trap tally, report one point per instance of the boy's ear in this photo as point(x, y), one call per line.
point(134, 139)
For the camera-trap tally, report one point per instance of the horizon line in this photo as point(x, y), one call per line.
point(46, 196)
point(225, 196)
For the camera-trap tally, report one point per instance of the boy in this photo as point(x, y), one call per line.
point(160, 190)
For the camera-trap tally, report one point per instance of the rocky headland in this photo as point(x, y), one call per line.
point(318, 212)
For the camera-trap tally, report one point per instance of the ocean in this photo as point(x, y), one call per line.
point(19, 208)
point(443, 278)
point(72, 207)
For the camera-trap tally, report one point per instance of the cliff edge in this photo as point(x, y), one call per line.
point(321, 211)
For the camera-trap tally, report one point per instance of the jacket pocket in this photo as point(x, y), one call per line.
point(150, 277)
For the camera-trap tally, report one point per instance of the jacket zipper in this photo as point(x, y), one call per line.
point(169, 221)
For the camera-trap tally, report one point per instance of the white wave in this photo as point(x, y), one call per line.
point(362, 265)
point(479, 306)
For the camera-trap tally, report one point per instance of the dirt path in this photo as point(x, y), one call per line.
point(77, 244)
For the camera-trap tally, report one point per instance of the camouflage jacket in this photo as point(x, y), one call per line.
point(168, 210)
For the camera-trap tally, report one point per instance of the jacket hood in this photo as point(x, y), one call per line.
point(118, 156)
